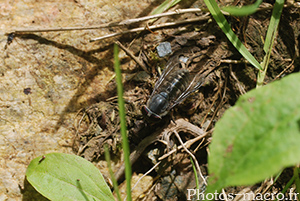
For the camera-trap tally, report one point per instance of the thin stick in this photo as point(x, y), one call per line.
point(284, 70)
point(225, 195)
point(138, 181)
point(54, 29)
point(192, 155)
point(168, 24)
point(187, 144)
point(176, 12)
point(219, 105)
point(128, 52)
point(180, 125)
point(111, 24)
point(77, 128)
point(237, 82)
point(230, 61)
point(124, 22)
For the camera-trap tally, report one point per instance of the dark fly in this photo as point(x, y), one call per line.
point(10, 38)
point(174, 85)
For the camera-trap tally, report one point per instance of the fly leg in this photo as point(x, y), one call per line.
point(172, 117)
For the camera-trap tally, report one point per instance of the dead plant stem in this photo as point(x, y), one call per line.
point(158, 26)
point(107, 25)
point(193, 156)
point(130, 53)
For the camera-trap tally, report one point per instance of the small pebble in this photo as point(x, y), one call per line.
point(163, 49)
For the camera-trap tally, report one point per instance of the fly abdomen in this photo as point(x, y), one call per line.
point(173, 87)
point(176, 84)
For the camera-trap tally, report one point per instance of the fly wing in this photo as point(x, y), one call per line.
point(172, 65)
point(195, 84)
point(197, 79)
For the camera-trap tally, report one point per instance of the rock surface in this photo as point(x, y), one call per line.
point(46, 77)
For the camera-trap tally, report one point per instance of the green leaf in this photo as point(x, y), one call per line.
point(257, 137)
point(59, 176)
point(223, 24)
point(244, 10)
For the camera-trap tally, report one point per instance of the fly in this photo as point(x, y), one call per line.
point(174, 85)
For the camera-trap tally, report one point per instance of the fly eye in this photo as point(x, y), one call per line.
point(155, 116)
point(145, 110)
point(149, 114)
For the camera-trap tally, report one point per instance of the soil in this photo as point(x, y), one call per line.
point(58, 92)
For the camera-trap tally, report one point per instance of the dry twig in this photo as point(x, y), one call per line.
point(159, 26)
point(289, 66)
point(157, 164)
point(180, 125)
point(187, 144)
point(192, 155)
point(108, 25)
point(130, 53)
point(240, 87)
point(219, 105)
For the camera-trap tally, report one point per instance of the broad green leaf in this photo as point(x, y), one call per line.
point(223, 24)
point(59, 176)
point(242, 11)
point(258, 136)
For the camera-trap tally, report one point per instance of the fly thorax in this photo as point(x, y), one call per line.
point(158, 103)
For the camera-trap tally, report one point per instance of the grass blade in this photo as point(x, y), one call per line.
point(123, 122)
point(270, 37)
point(165, 6)
point(195, 173)
point(113, 179)
point(223, 24)
point(244, 10)
point(297, 181)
